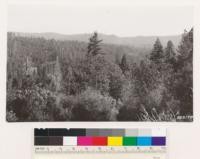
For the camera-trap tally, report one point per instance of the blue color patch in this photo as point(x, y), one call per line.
point(144, 141)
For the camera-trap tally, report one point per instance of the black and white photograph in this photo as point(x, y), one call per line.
point(99, 63)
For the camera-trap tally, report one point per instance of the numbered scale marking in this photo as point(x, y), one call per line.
point(99, 149)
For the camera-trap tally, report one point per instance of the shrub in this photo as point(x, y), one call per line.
point(17, 104)
point(65, 107)
point(127, 114)
point(93, 106)
point(32, 104)
point(11, 117)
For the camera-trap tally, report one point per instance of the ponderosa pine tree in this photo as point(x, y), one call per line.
point(94, 45)
point(157, 53)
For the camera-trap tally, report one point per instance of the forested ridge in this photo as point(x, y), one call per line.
point(135, 41)
point(53, 80)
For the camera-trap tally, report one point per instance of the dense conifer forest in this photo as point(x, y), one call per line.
point(63, 80)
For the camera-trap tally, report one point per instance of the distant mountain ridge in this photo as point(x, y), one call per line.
point(137, 41)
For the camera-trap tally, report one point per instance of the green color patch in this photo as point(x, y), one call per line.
point(129, 141)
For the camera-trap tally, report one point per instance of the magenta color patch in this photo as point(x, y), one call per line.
point(84, 141)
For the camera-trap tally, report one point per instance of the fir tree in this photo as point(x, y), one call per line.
point(93, 46)
point(157, 52)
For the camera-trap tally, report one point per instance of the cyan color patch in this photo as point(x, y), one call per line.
point(144, 141)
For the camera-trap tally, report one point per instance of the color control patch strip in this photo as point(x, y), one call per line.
point(100, 137)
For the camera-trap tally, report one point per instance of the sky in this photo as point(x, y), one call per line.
point(122, 21)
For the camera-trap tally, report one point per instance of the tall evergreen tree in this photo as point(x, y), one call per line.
point(185, 49)
point(124, 65)
point(184, 84)
point(94, 45)
point(170, 54)
point(157, 52)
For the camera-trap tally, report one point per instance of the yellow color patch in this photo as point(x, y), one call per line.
point(114, 141)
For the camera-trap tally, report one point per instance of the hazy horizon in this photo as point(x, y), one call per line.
point(90, 33)
point(118, 21)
